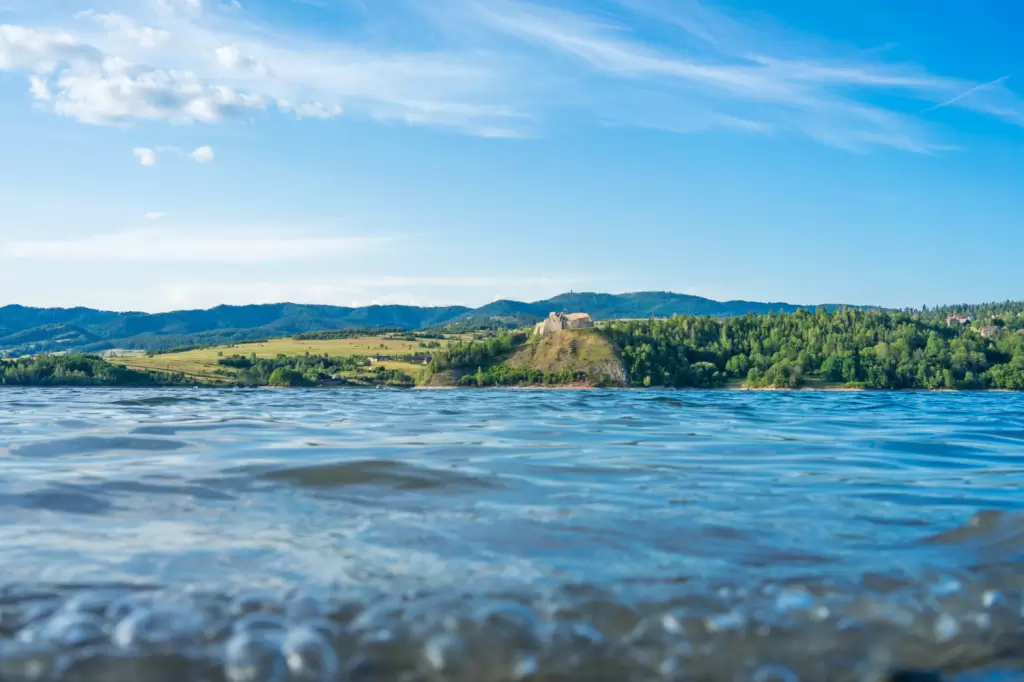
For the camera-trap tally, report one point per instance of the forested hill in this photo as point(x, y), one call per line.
point(34, 330)
point(619, 307)
point(846, 348)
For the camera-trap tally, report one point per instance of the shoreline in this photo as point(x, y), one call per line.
point(572, 387)
point(738, 389)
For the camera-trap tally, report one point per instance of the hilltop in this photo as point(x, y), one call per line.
point(586, 353)
point(26, 330)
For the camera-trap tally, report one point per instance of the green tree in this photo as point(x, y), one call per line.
point(283, 377)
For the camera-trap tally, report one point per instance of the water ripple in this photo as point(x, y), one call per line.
point(504, 535)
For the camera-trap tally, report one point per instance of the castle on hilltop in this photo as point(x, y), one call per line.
point(557, 322)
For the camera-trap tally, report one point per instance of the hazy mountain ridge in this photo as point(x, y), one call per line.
point(25, 330)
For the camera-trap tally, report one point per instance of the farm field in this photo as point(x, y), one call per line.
point(203, 363)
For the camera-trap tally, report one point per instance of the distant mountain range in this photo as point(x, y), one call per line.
point(37, 330)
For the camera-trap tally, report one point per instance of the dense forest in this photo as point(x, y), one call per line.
point(873, 349)
point(846, 347)
point(79, 370)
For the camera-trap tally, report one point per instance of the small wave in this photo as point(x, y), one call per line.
point(219, 425)
point(990, 537)
point(94, 446)
point(377, 473)
point(199, 492)
point(62, 499)
point(156, 401)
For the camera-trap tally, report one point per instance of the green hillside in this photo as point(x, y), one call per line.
point(572, 357)
point(581, 352)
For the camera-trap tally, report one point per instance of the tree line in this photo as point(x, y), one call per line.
point(477, 353)
point(868, 348)
point(336, 334)
point(307, 370)
point(80, 370)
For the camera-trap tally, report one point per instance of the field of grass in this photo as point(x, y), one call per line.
point(202, 363)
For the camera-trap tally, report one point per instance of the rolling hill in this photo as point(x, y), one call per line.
point(25, 330)
point(621, 306)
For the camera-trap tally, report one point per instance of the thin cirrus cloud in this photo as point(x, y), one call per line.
point(119, 24)
point(174, 246)
point(495, 68)
point(149, 157)
point(354, 291)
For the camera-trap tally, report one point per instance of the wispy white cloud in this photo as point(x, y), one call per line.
point(172, 7)
point(968, 92)
point(39, 88)
point(230, 58)
point(117, 91)
point(494, 68)
point(121, 25)
point(152, 245)
point(41, 52)
point(203, 155)
point(310, 109)
point(211, 70)
point(155, 215)
point(146, 156)
point(725, 76)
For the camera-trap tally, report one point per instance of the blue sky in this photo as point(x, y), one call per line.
point(164, 154)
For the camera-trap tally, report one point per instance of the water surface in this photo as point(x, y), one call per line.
point(507, 535)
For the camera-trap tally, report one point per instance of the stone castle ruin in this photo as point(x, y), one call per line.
point(557, 322)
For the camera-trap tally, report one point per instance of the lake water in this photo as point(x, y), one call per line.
point(484, 536)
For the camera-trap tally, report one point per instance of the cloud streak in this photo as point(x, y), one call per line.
point(355, 291)
point(494, 68)
point(169, 246)
point(728, 80)
point(967, 93)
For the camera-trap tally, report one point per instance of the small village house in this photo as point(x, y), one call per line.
point(959, 319)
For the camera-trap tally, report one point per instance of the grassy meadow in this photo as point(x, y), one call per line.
point(202, 364)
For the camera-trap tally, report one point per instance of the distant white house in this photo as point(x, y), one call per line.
point(959, 319)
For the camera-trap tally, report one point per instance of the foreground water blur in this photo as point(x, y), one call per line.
point(483, 536)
